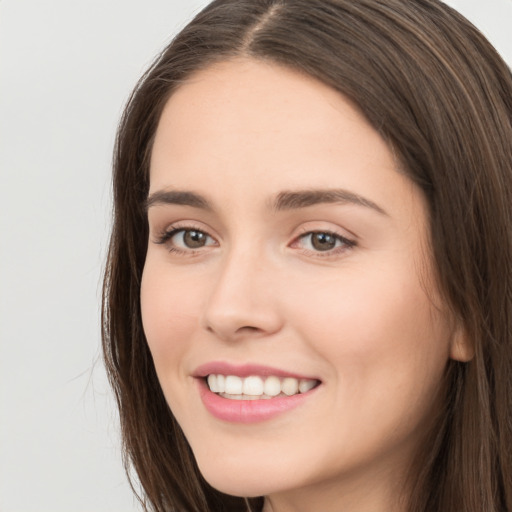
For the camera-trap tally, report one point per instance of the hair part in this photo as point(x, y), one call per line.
point(439, 94)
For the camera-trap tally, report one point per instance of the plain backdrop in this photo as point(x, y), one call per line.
point(66, 69)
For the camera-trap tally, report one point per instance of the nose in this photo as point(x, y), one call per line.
point(243, 301)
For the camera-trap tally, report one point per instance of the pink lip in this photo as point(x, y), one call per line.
point(245, 370)
point(248, 411)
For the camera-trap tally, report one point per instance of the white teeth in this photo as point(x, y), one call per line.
point(212, 383)
point(272, 386)
point(255, 387)
point(304, 385)
point(221, 383)
point(234, 385)
point(236, 397)
point(290, 386)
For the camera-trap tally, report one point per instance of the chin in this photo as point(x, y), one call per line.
point(240, 480)
point(243, 485)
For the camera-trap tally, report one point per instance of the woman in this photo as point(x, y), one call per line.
point(307, 302)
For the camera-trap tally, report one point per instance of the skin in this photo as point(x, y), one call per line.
point(365, 318)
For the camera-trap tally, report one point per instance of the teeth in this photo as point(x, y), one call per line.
point(234, 385)
point(212, 383)
point(254, 387)
point(221, 383)
point(272, 386)
point(290, 386)
point(305, 385)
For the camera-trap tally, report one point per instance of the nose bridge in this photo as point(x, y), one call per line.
point(242, 298)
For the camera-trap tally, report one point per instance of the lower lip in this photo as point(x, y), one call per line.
point(249, 411)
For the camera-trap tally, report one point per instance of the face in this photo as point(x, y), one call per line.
point(287, 295)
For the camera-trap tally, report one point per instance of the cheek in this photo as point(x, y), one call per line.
point(169, 314)
point(386, 349)
point(385, 342)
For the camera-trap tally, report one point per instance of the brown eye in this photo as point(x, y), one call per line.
point(323, 241)
point(194, 239)
point(186, 240)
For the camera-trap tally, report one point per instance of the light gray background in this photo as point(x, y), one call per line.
point(66, 69)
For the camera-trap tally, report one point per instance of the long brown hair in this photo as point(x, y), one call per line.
point(440, 95)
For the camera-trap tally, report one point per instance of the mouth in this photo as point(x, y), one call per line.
point(255, 387)
point(251, 393)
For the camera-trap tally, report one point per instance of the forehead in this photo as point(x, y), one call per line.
point(255, 128)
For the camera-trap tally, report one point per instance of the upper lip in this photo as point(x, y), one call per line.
point(245, 370)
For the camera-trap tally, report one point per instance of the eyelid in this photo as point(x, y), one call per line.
point(325, 227)
point(164, 236)
point(348, 243)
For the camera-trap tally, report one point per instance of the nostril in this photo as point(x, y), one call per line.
point(248, 330)
point(239, 318)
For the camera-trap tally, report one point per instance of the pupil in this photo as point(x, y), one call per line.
point(323, 241)
point(194, 239)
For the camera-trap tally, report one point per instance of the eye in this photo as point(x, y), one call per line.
point(185, 239)
point(190, 238)
point(323, 241)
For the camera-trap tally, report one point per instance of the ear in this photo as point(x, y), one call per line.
point(461, 347)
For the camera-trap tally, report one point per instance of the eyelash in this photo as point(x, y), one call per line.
point(346, 244)
point(165, 237)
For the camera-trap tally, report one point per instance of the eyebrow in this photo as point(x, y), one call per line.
point(286, 200)
point(291, 200)
point(181, 197)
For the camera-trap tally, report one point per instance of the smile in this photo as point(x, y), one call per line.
point(251, 393)
point(254, 387)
